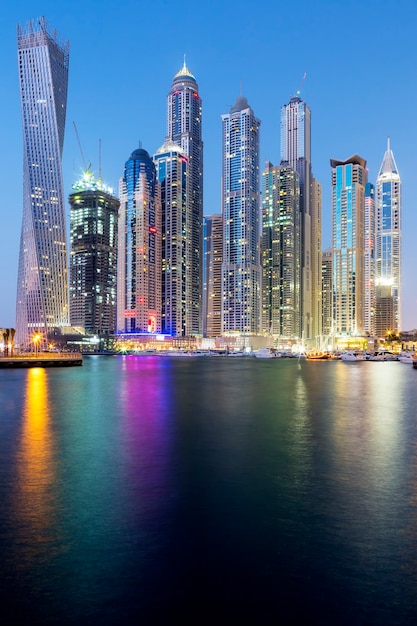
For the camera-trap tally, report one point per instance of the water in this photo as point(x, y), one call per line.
point(148, 490)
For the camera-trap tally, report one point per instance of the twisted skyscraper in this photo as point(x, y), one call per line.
point(42, 289)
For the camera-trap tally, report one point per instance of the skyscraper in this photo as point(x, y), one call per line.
point(281, 252)
point(388, 246)
point(316, 261)
point(327, 293)
point(184, 127)
point(139, 247)
point(42, 286)
point(370, 301)
point(241, 269)
point(93, 255)
point(348, 245)
point(212, 283)
point(296, 153)
point(171, 171)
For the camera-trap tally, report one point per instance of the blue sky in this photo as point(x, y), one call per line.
point(361, 83)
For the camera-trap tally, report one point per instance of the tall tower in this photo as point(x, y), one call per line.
point(139, 247)
point(93, 255)
point(316, 261)
point(184, 127)
point(212, 284)
point(42, 285)
point(327, 294)
point(241, 269)
point(348, 244)
point(370, 301)
point(281, 252)
point(388, 246)
point(296, 153)
point(171, 170)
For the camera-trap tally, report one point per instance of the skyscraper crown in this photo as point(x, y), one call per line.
point(388, 165)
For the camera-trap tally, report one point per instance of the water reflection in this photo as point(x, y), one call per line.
point(36, 466)
point(148, 403)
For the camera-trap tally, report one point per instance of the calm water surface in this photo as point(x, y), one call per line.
point(147, 490)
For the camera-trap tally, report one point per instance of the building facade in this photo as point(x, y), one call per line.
point(93, 256)
point(348, 245)
point(316, 261)
point(281, 253)
point(296, 153)
point(241, 269)
point(184, 127)
point(177, 294)
point(42, 284)
point(370, 296)
point(388, 246)
point(139, 247)
point(327, 295)
point(212, 275)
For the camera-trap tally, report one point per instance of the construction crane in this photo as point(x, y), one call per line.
point(86, 169)
point(301, 84)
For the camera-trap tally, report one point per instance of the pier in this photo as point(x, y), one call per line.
point(42, 359)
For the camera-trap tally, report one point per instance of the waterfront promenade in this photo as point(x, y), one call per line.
point(42, 359)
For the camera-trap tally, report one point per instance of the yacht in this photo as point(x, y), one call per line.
point(266, 353)
point(406, 357)
point(352, 355)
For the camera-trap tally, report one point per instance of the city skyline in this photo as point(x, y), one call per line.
point(338, 128)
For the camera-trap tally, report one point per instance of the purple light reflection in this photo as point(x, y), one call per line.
point(146, 397)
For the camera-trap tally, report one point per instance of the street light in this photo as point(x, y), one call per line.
point(36, 340)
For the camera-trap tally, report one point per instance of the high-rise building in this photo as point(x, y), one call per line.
point(388, 246)
point(281, 252)
point(212, 275)
point(327, 294)
point(93, 255)
point(370, 259)
point(139, 247)
point(296, 153)
point(184, 127)
point(241, 269)
point(316, 261)
point(348, 243)
point(177, 304)
point(42, 286)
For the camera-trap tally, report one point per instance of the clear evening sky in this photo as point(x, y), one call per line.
point(359, 57)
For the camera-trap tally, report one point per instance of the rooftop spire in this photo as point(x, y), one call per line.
point(184, 71)
point(388, 165)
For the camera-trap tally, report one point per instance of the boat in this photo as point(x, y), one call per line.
point(317, 355)
point(383, 355)
point(352, 356)
point(406, 357)
point(266, 353)
point(415, 361)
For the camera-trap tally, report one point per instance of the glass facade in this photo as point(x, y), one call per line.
point(93, 256)
point(296, 153)
point(388, 246)
point(42, 289)
point(348, 245)
point(139, 247)
point(212, 284)
point(241, 269)
point(184, 127)
point(370, 302)
point(171, 170)
point(281, 252)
